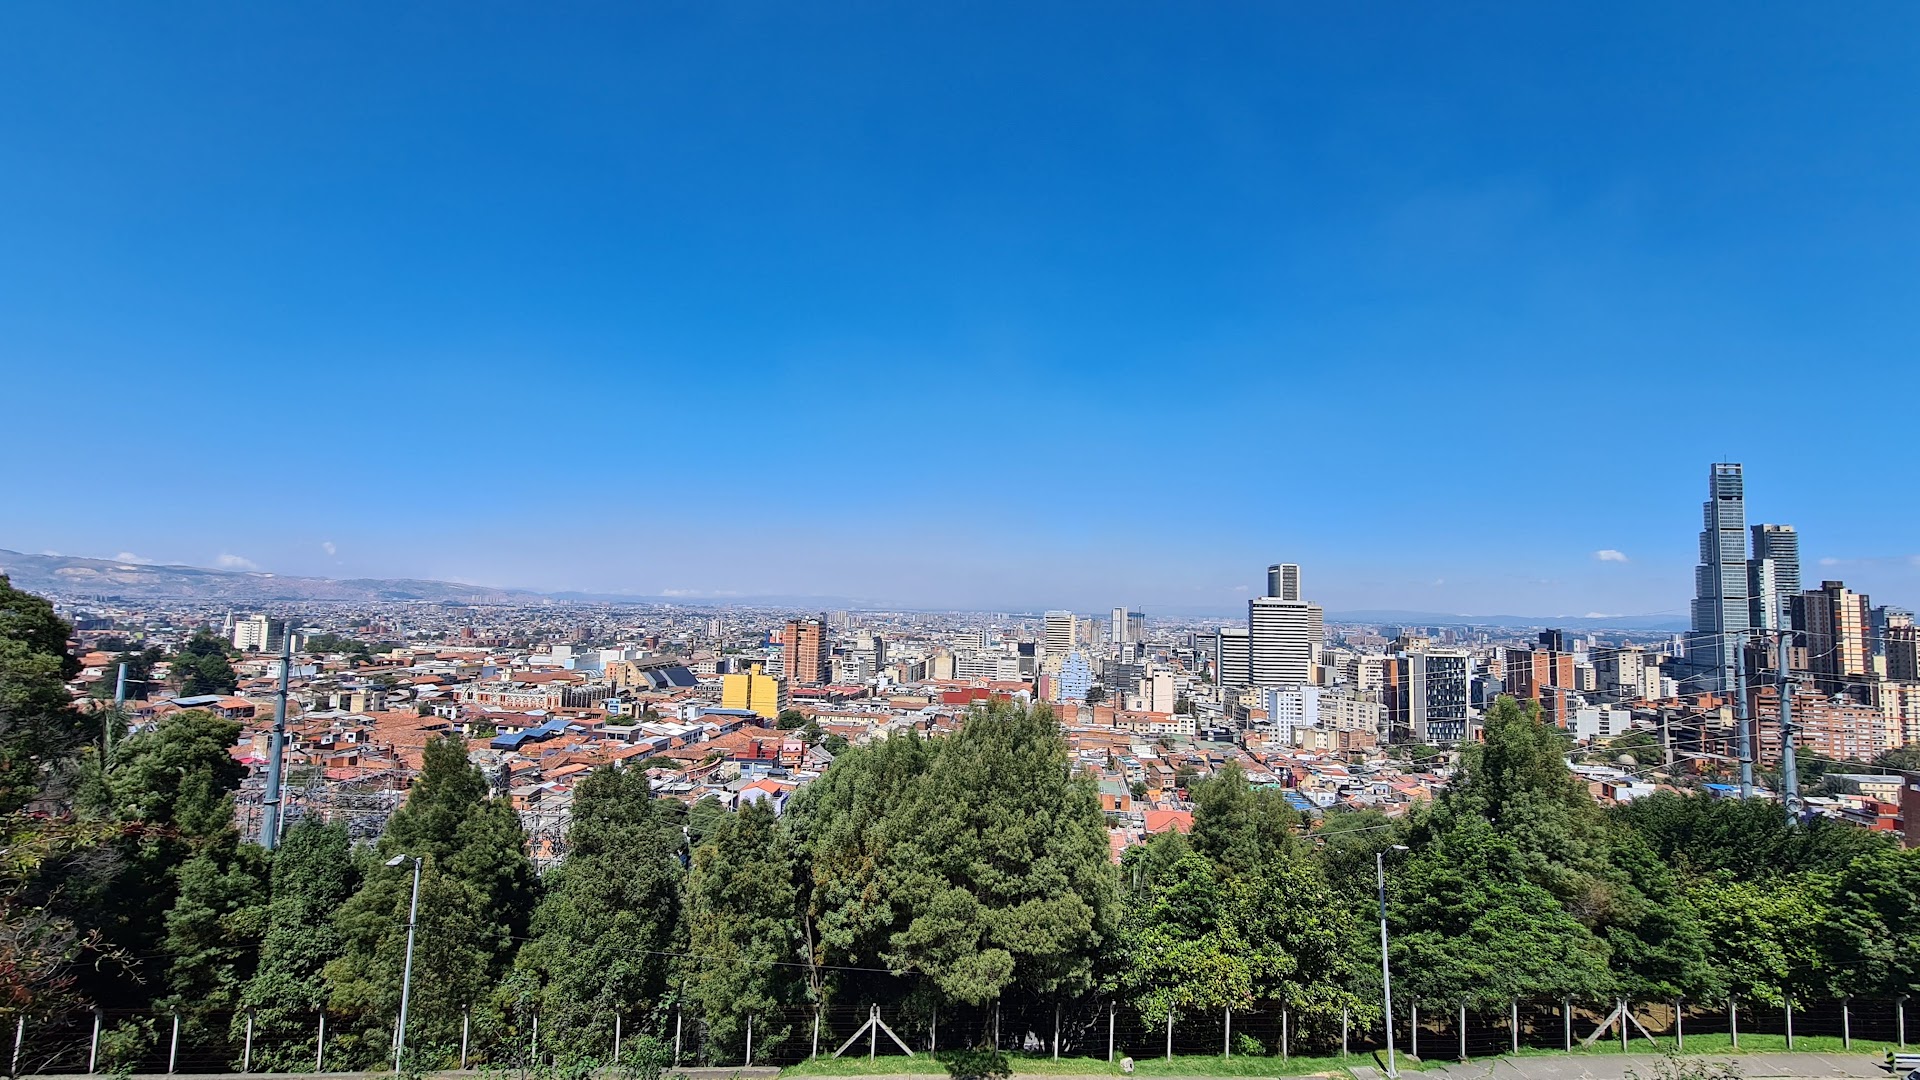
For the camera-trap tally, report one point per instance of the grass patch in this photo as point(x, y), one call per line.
point(968, 1064)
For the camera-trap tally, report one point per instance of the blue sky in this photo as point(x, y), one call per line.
point(977, 305)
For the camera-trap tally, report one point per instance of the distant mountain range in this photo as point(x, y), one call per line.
point(73, 577)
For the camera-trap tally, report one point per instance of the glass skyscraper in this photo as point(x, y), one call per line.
point(1721, 609)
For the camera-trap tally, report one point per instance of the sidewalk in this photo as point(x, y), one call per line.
point(1615, 1066)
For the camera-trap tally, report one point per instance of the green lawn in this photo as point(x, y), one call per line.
point(1045, 1065)
point(1243, 1065)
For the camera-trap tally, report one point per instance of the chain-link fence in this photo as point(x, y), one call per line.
point(127, 1041)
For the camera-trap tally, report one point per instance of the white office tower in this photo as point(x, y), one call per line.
point(1773, 576)
point(1289, 709)
point(1231, 647)
point(1057, 634)
point(251, 633)
point(1284, 641)
point(1283, 581)
point(1117, 628)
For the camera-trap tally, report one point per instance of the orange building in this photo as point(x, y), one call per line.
point(803, 648)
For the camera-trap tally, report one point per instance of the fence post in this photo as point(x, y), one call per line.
point(678, 1016)
point(93, 1048)
point(1789, 1023)
point(616, 1038)
point(1463, 1031)
point(1624, 1019)
point(1056, 1031)
point(873, 1033)
point(1413, 1030)
point(536, 1038)
point(749, 1063)
point(1344, 1017)
point(1900, 1021)
point(1679, 1024)
point(1111, 1007)
point(320, 1046)
point(173, 1048)
point(246, 1053)
point(933, 1033)
point(1846, 1023)
point(20, 1036)
point(1169, 1034)
point(1286, 1048)
point(1733, 1021)
point(816, 1030)
point(996, 1025)
point(1566, 1024)
point(1513, 1023)
point(1226, 1041)
point(466, 1028)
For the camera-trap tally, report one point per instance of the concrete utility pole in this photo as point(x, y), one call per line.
point(276, 749)
point(1789, 770)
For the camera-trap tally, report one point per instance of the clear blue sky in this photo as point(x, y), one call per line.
point(1016, 305)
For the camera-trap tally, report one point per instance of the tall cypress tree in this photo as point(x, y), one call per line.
point(477, 893)
point(313, 875)
point(603, 934)
point(744, 930)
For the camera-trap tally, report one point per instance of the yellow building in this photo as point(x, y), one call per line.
point(754, 692)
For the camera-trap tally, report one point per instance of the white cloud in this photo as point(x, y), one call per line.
point(235, 562)
point(1829, 561)
point(128, 556)
point(1598, 615)
point(327, 546)
point(1610, 555)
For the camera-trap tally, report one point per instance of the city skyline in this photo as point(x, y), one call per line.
point(617, 260)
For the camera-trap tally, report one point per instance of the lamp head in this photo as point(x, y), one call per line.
point(397, 860)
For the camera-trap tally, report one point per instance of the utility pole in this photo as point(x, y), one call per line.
point(1789, 771)
point(276, 748)
point(1739, 687)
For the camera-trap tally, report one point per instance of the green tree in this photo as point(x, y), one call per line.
point(603, 933)
point(743, 923)
point(790, 719)
point(1238, 827)
point(202, 666)
point(1747, 837)
point(39, 729)
point(313, 875)
point(1872, 933)
point(1766, 933)
point(214, 928)
point(477, 893)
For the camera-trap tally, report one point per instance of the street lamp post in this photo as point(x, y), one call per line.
point(1386, 974)
point(406, 977)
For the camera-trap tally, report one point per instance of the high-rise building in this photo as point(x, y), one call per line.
point(1117, 628)
point(1835, 626)
point(1057, 633)
point(1136, 626)
point(1773, 576)
point(1544, 673)
point(803, 649)
point(1426, 695)
point(1284, 641)
point(1232, 646)
point(1283, 581)
point(762, 695)
point(1076, 677)
point(1721, 616)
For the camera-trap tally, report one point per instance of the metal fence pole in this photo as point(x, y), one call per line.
point(173, 1048)
point(1846, 1023)
point(320, 1046)
point(246, 1053)
point(1679, 1024)
point(93, 1048)
point(1056, 1031)
point(616, 1038)
point(816, 1030)
point(678, 1016)
point(1789, 1023)
point(933, 1033)
point(20, 1036)
point(1900, 1021)
point(466, 1028)
point(1169, 1035)
point(1623, 1025)
point(536, 1037)
point(1413, 1030)
point(1344, 1018)
point(1733, 1021)
point(1226, 1041)
point(749, 1041)
point(1110, 1011)
point(1463, 1031)
point(1286, 1049)
point(1513, 1023)
point(1566, 1024)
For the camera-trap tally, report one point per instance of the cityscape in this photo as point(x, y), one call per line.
point(745, 541)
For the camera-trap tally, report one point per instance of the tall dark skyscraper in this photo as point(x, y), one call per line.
point(1721, 612)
